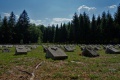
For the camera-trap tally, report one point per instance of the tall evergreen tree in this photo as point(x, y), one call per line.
point(45, 35)
point(109, 28)
point(76, 28)
point(86, 29)
point(23, 25)
point(11, 24)
point(0, 30)
point(71, 34)
point(68, 31)
point(117, 25)
point(53, 33)
point(5, 31)
point(0, 21)
point(56, 34)
point(81, 22)
point(93, 29)
point(98, 29)
point(60, 38)
point(64, 33)
point(103, 26)
point(49, 35)
point(117, 15)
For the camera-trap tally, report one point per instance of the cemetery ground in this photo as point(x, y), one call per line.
point(76, 67)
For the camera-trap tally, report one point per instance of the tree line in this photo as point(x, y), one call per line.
point(104, 29)
point(14, 31)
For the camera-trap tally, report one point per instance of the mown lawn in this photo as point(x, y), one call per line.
point(76, 67)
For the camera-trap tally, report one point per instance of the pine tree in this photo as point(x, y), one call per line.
point(76, 28)
point(60, 33)
point(53, 33)
point(64, 33)
point(117, 15)
point(56, 34)
point(68, 31)
point(5, 31)
point(11, 24)
point(109, 28)
point(0, 30)
point(81, 22)
point(103, 27)
point(71, 34)
point(98, 30)
point(22, 27)
point(49, 35)
point(86, 29)
point(117, 25)
point(93, 29)
point(0, 21)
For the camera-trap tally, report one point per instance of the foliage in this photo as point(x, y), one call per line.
point(104, 29)
point(22, 28)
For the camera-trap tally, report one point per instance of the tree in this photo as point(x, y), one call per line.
point(60, 33)
point(117, 15)
point(109, 28)
point(71, 34)
point(86, 28)
point(42, 28)
point(35, 34)
point(0, 30)
point(98, 30)
point(39, 41)
point(81, 21)
point(49, 35)
point(11, 25)
point(76, 28)
point(117, 25)
point(53, 33)
point(103, 26)
point(0, 21)
point(103, 29)
point(23, 25)
point(69, 26)
point(56, 34)
point(93, 29)
point(64, 33)
point(5, 31)
point(45, 35)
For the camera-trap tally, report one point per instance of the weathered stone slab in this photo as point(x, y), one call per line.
point(55, 53)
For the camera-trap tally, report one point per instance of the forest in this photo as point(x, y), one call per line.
point(103, 29)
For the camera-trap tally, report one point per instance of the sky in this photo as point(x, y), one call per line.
point(48, 12)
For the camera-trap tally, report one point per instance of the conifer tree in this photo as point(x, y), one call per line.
point(76, 28)
point(11, 25)
point(56, 34)
point(23, 25)
point(93, 29)
point(5, 31)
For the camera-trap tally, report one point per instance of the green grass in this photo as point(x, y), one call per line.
point(77, 67)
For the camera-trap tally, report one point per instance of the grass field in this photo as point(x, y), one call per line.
point(76, 67)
